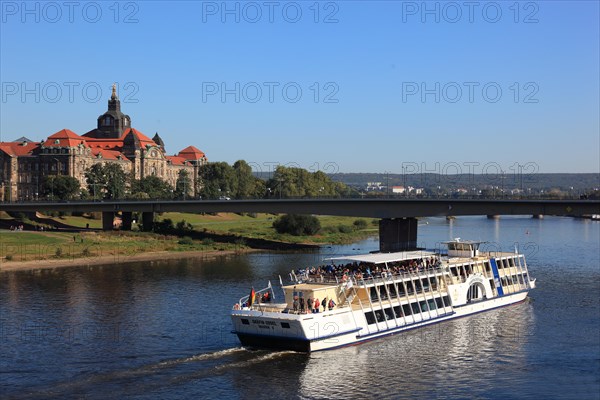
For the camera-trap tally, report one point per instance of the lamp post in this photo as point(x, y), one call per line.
point(280, 180)
point(94, 185)
point(404, 178)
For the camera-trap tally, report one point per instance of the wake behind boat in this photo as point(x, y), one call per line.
point(362, 297)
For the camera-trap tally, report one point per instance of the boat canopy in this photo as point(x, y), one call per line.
point(382, 258)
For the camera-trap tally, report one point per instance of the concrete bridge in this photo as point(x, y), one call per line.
point(397, 228)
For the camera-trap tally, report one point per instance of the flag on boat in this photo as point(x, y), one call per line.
point(251, 297)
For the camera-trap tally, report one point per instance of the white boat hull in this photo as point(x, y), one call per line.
point(328, 330)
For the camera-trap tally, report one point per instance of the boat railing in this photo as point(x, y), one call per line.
point(379, 277)
point(257, 294)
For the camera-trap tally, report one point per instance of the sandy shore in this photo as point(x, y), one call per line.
point(6, 266)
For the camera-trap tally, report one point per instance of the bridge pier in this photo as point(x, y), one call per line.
point(108, 218)
point(397, 234)
point(147, 221)
point(126, 220)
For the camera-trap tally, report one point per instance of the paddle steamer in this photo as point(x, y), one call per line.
point(363, 297)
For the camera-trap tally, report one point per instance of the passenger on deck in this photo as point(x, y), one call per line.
point(316, 305)
point(309, 305)
point(295, 305)
point(302, 306)
point(324, 304)
point(331, 304)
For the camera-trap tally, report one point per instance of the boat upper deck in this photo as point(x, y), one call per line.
point(366, 269)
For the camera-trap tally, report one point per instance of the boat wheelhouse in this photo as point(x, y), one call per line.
point(362, 297)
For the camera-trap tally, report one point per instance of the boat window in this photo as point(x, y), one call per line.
point(389, 313)
point(418, 287)
point(401, 290)
point(488, 268)
point(383, 292)
point(285, 325)
point(245, 321)
point(406, 309)
point(425, 284)
point(374, 294)
point(511, 262)
point(409, 287)
point(423, 305)
point(431, 304)
point(439, 303)
point(379, 316)
point(521, 280)
point(454, 271)
point(434, 283)
point(392, 290)
point(398, 312)
point(370, 317)
point(415, 308)
point(446, 301)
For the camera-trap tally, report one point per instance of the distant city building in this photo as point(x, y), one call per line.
point(24, 163)
point(410, 189)
point(371, 186)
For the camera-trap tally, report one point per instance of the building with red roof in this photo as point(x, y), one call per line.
point(25, 163)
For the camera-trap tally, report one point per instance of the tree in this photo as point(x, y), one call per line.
point(106, 181)
point(245, 184)
point(153, 187)
point(298, 182)
point(60, 187)
point(218, 179)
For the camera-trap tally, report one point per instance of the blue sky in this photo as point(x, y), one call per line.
point(383, 83)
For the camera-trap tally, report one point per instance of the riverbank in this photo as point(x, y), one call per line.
point(205, 236)
point(113, 259)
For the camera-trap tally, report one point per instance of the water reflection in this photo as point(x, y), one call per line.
point(456, 352)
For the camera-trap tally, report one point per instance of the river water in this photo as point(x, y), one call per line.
point(160, 329)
